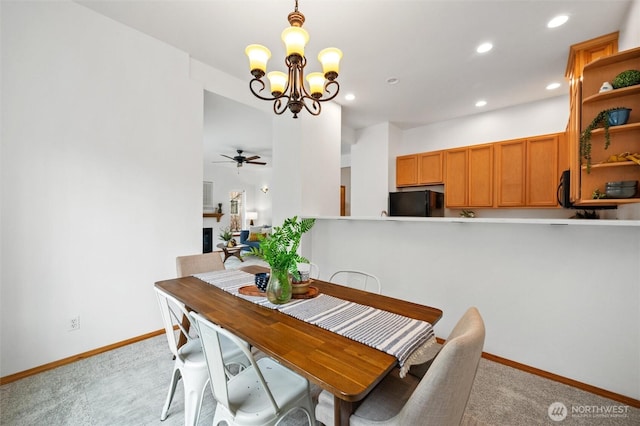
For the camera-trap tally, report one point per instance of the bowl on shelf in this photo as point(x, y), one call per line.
point(622, 189)
point(619, 116)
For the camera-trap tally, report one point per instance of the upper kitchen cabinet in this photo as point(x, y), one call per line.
point(430, 168)
point(419, 169)
point(407, 170)
point(624, 138)
point(469, 176)
point(527, 171)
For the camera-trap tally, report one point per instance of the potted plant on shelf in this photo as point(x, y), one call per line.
point(280, 251)
point(606, 118)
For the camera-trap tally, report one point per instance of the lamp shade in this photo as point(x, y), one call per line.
point(258, 57)
point(316, 83)
point(278, 82)
point(330, 60)
point(295, 39)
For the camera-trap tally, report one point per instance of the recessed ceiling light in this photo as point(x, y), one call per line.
point(392, 80)
point(481, 103)
point(484, 48)
point(349, 97)
point(553, 86)
point(557, 21)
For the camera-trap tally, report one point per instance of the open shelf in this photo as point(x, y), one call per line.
point(620, 128)
point(606, 202)
point(216, 215)
point(605, 165)
point(612, 94)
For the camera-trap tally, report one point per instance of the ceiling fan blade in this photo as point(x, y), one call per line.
point(256, 162)
point(255, 157)
point(230, 158)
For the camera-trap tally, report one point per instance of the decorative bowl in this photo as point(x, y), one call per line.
point(262, 278)
point(622, 189)
point(619, 116)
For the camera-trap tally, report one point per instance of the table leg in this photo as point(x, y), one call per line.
point(341, 411)
point(237, 254)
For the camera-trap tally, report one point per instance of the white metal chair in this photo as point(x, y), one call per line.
point(261, 394)
point(198, 263)
point(357, 279)
point(189, 363)
point(438, 399)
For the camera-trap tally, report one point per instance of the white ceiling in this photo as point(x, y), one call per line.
point(429, 45)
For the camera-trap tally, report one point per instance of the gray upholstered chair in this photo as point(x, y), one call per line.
point(198, 263)
point(438, 399)
point(357, 279)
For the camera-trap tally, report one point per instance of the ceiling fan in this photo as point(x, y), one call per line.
point(241, 159)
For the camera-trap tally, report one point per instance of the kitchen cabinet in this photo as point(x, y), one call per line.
point(407, 170)
point(580, 55)
point(527, 172)
point(469, 176)
point(624, 138)
point(430, 168)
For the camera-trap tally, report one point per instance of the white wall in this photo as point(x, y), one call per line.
point(630, 32)
point(101, 179)
point(370, 170)
point(535, 118)
point(561, 298)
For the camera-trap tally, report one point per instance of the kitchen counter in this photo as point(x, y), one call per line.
point(514, 221)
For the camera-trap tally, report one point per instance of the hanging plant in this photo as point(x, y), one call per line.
point(602, 119)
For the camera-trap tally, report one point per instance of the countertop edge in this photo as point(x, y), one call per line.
point(512, 221)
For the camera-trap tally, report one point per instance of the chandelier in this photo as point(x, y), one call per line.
point(288, 89)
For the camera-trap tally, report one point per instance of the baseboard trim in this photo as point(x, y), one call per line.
point(560, 379)
point(573, 383)
point(504, 361)
point(71, 359)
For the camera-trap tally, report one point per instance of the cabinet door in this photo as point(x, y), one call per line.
point(430, 168)
point(455, 182)
point(480, 181)
point(542, 171)
point(510, 173)
point(407, 170)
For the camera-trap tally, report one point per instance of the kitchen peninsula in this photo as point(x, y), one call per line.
point(559, 295)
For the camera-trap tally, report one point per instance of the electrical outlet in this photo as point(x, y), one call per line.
point(74, 323)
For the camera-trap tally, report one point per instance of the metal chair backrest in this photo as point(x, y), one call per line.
point(357, 279)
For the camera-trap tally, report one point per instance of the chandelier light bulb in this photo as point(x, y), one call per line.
point(278, 82)
point(316, 84)
point(258, 58)
point(295, 39)
point(330, 60)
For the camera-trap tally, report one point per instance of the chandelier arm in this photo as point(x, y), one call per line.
point(315, 104)
point(326, 88)
point(256, 94)
point(278, 106)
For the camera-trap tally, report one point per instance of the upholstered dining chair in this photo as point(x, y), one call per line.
point(357, 279)
point(261, 394)
point(438, 399)
point(198, 263)
point(189, 365)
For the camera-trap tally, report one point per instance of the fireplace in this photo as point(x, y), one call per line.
point(207, 240)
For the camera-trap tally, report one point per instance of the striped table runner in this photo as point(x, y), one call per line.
point(409, 340)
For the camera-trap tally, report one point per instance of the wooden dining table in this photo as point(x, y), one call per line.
point(347, 369)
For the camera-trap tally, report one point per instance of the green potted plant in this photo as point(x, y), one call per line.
point(280, 251)
point(226, 235)
point(602, 119)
